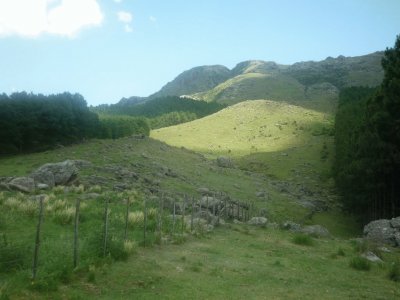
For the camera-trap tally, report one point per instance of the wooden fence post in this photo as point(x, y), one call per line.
point(144, 222)
point(183, 213)
point(192, 216)
point(226, 209)
point(105, 232)
point(76, 245)
point(173, 218)
point(37, 240)
point(161, 204)
point(126, 218)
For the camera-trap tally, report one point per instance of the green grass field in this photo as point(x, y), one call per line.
point(277, 148)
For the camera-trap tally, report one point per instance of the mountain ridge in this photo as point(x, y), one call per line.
point(278, 81)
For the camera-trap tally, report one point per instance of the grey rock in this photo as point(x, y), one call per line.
point(380, 231)
point(23, 184)
point(396, 237)
point(63, 173)
point(224, 162)
point(258, 221)
point(209, 201)
point(292, 226)
point(371, 256)
point(208, 217)
point(260, 194)
point(204, 191)
point(42, 186)
point(316, 231)
point(395, 223)
point(43, 176)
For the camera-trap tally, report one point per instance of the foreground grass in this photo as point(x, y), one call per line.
point(238, 263)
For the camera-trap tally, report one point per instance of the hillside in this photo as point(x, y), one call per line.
point(254, 128)
point(195, 80)
point(299, 83)
point(179, 265)
point(258, 79)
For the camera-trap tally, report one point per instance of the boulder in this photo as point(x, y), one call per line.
point(23, 184)
point(397, 238)
point(316, 231)
point(43, 176)
point(204, 191)
point(208, 217)
point(224, 162)
point(209, 201)
point(258, 221)
point(371, 256)
point(292, 226)
point(395, 223)
point(260, 194)
point(61, 173)
point(380, 231)
point(42, 186)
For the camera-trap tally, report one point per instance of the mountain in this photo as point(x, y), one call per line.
point(311, 84)
point(195, 80)
point(298, 82)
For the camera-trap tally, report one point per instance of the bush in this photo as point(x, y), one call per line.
point(394, 271)
point(360, 263)
point(303, 239)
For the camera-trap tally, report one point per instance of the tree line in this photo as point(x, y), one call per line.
point(163, 111)
point(367, 142)
point(30, 122)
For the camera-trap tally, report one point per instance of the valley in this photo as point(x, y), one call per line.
point(238, 203)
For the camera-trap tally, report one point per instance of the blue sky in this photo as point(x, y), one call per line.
point(109, 49)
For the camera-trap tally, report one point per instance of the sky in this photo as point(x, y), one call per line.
point(109, 49)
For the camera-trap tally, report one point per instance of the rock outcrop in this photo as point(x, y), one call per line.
point(384, 231)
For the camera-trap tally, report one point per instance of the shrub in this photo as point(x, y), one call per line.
point(135, 218)
point(394, 271)
point(130, 247)
point(360, 263)
point(341, 252)
point(303, 239)
point(64, 216)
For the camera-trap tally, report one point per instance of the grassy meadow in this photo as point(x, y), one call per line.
point(282, 150)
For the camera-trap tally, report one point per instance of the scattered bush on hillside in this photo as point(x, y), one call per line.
point(360, 263)
point(303, 239)
point(394, 271)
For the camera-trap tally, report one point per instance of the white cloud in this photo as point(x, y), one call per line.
point(32, 18)
point(124, 16)
point(128, 28)
point(153, 19)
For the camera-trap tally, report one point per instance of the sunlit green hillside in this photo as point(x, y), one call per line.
point(254, 86)
point(272, 137)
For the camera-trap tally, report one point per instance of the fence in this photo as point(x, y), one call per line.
point(109, 229)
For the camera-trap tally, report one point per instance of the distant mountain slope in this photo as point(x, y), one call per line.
point(257, 66)
point(257, 79)
point(251, 86)
point(342, 71)
point(310, 84)
point(195, 80)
